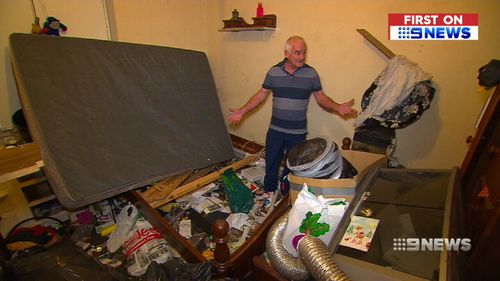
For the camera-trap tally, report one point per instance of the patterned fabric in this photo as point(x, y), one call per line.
point(394, 85)
point(291, 93)
point(408, 111)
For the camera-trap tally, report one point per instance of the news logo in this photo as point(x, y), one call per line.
point(431, 244)
point(433, 26)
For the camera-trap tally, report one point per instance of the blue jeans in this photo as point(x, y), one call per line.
point(278, 143)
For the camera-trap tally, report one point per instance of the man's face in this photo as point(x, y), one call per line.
point(297, 55)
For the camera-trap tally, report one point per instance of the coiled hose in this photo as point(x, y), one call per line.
point(314, 258)
point(288, 266)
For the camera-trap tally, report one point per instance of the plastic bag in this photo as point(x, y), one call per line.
point(311, 215)
point(239, 196)
point(144, 245)
point(124, 223)
point(177, 270)
point(141, 243)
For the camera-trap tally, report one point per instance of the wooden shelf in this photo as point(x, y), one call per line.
point(41, 200)
point(252, 28)
point(32, 182)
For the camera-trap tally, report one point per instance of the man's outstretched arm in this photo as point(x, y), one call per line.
point(238, 114)
point(343, 109)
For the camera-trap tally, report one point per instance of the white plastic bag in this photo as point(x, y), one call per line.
point(124, 223)
point(143, 246)
point(311, 215)
point(142, 243)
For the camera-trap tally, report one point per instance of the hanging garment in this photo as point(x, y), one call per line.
point(405, 113)
point(398, 96)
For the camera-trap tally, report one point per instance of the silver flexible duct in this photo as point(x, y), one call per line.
point(288, 266)
point(328, 163)
point(319, 261)
point(314, 257)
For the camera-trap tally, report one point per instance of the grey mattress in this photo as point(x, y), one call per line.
point(112, 116)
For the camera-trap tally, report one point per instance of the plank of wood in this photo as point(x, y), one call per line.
point(376, 43)
point(165, 185)
point(31, 182)
point(189, 187)
point(200, 173)
point(19, 161)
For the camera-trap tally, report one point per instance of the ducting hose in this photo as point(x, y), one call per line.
point(288, 266)
point(314, 257)
point(319, 261)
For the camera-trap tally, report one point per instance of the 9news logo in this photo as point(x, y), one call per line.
point(433, 26)
point(431, 244)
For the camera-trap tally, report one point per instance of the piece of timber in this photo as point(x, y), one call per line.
point(245, 145)
point(220, 230)
point(163, 188)
point(189, 187)
point(377, 44)
point(200, 173)
point(19, 161)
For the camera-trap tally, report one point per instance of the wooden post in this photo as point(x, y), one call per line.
point(346, 143)
point(377, 44)
point(220, 230)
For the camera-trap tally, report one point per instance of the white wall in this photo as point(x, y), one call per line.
point(172, 23)
point(83, 19)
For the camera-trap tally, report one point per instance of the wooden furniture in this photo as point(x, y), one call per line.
point(22, 184)
point(481, 189)
point(236, 23)
point(238, 263)
point(421, 202)
point(263, 270)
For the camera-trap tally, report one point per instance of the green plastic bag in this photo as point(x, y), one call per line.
point(237, 193)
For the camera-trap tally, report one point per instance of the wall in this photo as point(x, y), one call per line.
point(83, 19)
point(173, 23)
point(348, 64)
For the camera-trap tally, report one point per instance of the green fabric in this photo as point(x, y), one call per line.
point(237, 193)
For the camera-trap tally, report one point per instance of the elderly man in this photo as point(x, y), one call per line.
point(292, 82)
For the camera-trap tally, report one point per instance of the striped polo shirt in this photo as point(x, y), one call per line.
point(291, 93)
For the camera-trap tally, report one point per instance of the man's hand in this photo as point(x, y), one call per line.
point(235, 116)
point(345, 109)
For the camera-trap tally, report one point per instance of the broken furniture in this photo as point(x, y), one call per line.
point(112, 117)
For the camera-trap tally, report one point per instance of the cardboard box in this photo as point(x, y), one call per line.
point(338, 188)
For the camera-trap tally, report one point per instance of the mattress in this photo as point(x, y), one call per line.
point(113, 116)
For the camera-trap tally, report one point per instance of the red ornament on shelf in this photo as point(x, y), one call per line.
point(260, 10)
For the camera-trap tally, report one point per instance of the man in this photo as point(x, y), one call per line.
point(292, 82)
